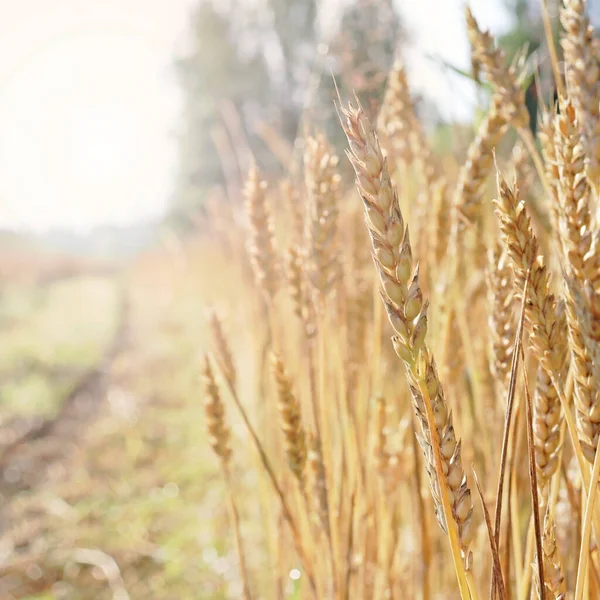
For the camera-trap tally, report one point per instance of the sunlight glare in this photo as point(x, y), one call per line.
point(103, 143)
point(87, 116)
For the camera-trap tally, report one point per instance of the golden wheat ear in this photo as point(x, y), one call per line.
point(223, 354)
point(261, 241)
point(219, 440)
point(502, 76)
point(322, 180)
point(407, 313)
point(291, 421)
point(501, 319)
point(582, 73)
point(214, 410)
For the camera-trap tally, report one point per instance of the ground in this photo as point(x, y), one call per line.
point(109, 488)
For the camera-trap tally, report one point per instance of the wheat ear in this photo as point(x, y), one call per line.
point(501, 318)
point(582, 314)
point(502, 76)
point(218, 432)
point(581, 266)
point(582, 74)
point(396, 120)
point(219, 438)
point(291, 421)
point(575, 215)
point(222, 351)
point(407, 312)
point(322, 184)
point(261, 243)
point(554, 579)
point(547, 327)
point(546, 428)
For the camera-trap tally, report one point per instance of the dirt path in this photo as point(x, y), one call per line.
point(29, 448)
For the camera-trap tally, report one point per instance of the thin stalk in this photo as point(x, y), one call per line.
point(425, 542)
point(527, 138)
point(472, 586)
point(514, 521)
point(235, 521)
point(325, 440)
point(507, 421)
point(349, 547)
point(552, 50)
point(516, 532)
point(535, 503)
point(461, 573)
point(377, 336)
point(527, 562)
point(584, 549)
point(583, 469)
point(277, 488)
point(493, 546)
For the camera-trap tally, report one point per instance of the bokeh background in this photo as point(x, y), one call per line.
point(126, 131)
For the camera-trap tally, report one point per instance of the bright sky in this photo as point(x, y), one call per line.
point(438, 29)
point(88, 106)
point(87, 110)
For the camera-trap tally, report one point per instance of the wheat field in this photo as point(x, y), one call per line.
point(402, 389)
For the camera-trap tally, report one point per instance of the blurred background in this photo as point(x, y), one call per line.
point(126, 131)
